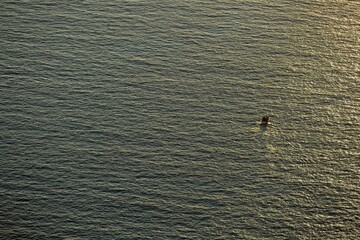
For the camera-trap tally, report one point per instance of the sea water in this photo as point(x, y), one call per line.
point(138, 119)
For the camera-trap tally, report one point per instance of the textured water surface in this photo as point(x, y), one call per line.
point(138, 119)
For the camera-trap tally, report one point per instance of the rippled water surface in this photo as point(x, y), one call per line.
point(138, 119)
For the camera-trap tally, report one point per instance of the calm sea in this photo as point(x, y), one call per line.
point(139, 119)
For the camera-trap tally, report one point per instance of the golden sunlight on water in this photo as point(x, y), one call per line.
point(140, 119)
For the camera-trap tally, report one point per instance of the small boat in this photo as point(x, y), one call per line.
point(265, 121)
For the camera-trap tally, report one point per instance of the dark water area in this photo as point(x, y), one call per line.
point(139, 119)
